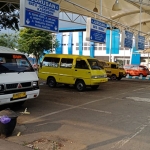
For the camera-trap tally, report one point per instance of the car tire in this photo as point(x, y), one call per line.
point(51, 82)
point(113, 77)
point(80, 85)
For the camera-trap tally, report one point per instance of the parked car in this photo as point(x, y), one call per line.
point(136, 70)
point(114, 72)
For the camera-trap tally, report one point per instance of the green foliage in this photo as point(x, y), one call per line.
point(9, 15)
point(32, 41)
point(9, 40)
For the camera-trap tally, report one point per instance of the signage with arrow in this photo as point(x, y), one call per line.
point(96, 30)
point(39, 14)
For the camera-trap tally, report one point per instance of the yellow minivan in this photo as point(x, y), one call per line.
point(114, 72)
point(80, 71)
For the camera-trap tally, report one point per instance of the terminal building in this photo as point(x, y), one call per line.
point(73, 41)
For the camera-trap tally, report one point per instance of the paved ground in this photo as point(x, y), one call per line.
point(116, 116)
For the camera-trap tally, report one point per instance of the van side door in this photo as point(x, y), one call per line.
point(114, 70)
point(49, 67)
point(82, 71)
point(66, 71)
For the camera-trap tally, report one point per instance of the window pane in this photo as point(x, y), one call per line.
point(81, 64)
point(66, 63)
point(51, 62)
point(85, 44)
point(77, 48)
point(100, 48)
point(113, 66)
point(85, 48)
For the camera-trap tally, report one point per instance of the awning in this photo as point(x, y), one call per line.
point(129, 15)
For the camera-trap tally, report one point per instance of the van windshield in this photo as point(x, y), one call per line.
point(12, 63)
point(94, 64)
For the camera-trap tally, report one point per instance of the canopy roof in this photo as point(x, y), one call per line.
point(128, 16)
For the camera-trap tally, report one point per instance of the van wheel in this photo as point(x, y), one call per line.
point(113, 77)
point(94, 87)
point(80, 85)
point(51, 82)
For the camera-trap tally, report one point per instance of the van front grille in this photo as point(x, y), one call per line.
point(26, 84)
point(15, 85)
point(11, 86)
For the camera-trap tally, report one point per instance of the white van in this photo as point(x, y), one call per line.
point(18, 80)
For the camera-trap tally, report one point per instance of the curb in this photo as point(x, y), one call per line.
point(136, 77)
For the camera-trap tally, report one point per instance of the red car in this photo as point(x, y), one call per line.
point(136, 70)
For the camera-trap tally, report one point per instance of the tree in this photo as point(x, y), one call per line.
point(9, 40)
point(32, 41)
point(9, 16)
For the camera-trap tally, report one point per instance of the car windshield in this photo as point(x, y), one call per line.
point(102, 64)
point(94, 64)
point(12, 63)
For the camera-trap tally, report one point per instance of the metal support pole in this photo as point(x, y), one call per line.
point(101, 3)
point(148, 61)
point(124, 58)
point(52, 43)
point(110, 49)
point(131, 56)
point(140, 14)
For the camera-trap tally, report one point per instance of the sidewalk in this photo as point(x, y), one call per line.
point(7, 145)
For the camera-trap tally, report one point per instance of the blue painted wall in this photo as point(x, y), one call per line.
point(59, 49)
point(70, 44)
point(115, 41)
point(80, 43)
point(92, 48)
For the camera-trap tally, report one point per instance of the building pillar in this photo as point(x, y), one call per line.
point(70, 39)
point(92, 48)
point(59, 49)
point(115, 41)
point(81, 43)
point(135, 57)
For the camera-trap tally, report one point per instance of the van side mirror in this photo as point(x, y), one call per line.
point(40, 64)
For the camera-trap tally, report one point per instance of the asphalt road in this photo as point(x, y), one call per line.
point(116, 116)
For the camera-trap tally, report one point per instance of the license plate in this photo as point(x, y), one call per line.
point(19, 95)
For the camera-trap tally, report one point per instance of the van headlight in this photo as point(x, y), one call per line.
point(1, 87)
point(35, 83)
point(99, 76)
point(105, 75)
point(94, 77)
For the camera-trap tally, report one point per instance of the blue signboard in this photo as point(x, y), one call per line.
point(127, 39)
point(39, 14)
point(140, 42)
point(96, 30)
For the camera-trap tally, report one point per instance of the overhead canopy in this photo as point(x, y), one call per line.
point(128, 16)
